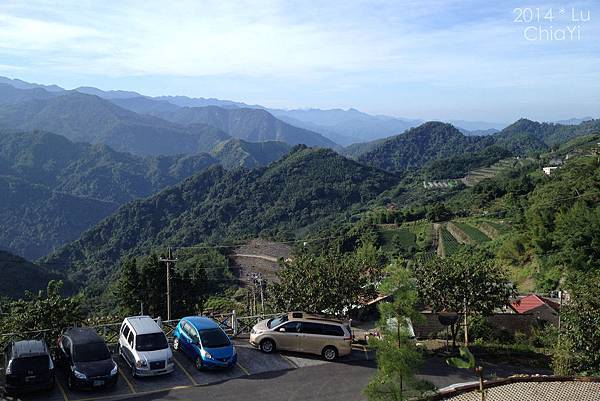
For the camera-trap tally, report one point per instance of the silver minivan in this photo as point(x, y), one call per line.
point(303, 332)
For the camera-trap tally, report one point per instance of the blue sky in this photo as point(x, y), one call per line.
point(418, 59)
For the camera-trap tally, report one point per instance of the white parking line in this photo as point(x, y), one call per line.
point(243, 369)
point(62, 390)
point(189, 376)
point(127, 381)
point(294, 365)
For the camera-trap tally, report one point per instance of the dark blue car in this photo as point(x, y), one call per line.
point(203, 340)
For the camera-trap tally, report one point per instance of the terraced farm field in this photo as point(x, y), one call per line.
point(476, 176)
point(472, 232)
point(450, 243)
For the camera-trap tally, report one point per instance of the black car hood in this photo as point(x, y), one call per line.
point(95, 368)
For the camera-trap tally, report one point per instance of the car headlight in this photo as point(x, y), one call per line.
point(79, 374)
point(234, 351)
point(8, 370)
point(207, 355)
point(140, 363)
point(114, 370)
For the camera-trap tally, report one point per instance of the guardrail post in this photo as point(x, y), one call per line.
point(234, 323)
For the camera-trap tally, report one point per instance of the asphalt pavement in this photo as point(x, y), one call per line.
point(325, 382)
point(258, 376)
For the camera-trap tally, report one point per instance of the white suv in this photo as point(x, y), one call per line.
point(144, 346)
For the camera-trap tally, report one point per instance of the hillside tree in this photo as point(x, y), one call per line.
point(468, 282)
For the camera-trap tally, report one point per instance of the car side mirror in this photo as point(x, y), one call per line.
point(282, 329)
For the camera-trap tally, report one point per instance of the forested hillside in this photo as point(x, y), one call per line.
point(19, 275)
point(238, 153)
point(445, 145)
point(34, 219)
point(53, 189)
point(548, 134)
point(307, 187)
point(419, 145)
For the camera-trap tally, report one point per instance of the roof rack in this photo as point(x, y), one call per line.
point(314, 316)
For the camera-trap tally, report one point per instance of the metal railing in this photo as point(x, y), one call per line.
point(231, 323)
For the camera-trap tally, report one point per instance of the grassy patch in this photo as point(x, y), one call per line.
point(398, 238)
point(513, 354)
point(501, 227)
point(424, 233)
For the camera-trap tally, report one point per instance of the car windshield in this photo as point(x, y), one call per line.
point(30, 364)
point(151, 342)
point(276, 321)
point(214, 338)
point(90, 352)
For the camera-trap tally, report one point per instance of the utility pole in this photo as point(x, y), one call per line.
point(168, 260)
point(257, 281)
point(466, 323)
point(262, 297)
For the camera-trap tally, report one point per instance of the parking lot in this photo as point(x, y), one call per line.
point(250, 362)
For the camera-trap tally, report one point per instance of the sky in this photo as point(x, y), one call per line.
point(429, 59)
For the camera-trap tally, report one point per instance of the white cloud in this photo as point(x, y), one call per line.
point(308, 42)
point(17, 33)
point(325, 48)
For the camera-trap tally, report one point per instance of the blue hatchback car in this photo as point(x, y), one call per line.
point(203, 340)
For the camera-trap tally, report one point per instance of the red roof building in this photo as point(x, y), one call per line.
point(543, 308)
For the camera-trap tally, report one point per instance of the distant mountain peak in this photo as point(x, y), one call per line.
point(19, 84)
point(110, 94)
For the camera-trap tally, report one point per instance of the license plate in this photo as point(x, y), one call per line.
point(29, 378)
point(98, 383)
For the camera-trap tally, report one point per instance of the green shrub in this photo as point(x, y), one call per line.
point(480, 328)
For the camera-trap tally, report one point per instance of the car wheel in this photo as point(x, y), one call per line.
point(176, 344)
point(267, 346)
point(198, 363)
point(330, 353)
point(133, 374)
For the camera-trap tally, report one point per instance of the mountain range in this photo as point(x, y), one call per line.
point(308, 186)
point(343, 127)
point(132, 128)
point(88, 176)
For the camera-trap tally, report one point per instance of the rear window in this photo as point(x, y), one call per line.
point(21, 366)
point(90, 352)
point(151, 342)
